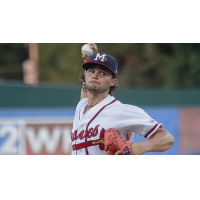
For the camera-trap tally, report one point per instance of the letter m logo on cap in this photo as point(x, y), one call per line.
point(102, 57)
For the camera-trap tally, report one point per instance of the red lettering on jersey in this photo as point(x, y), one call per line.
point(74, 135)
point(86, 144)
point(128, 135)
point(90, 132)
point(95, 132)
point(81, 135)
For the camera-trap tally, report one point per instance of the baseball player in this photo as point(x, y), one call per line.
point(103, 125)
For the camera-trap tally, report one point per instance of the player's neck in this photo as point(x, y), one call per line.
point(95, 99)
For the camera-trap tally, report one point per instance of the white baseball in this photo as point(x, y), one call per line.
point(86, 50)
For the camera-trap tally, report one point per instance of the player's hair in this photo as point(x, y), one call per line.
point(112, 90)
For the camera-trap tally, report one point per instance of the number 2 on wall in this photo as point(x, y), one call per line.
point(9, 145)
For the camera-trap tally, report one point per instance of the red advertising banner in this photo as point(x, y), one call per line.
point(48, 138)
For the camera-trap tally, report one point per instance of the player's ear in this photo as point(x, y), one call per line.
point(113, 81)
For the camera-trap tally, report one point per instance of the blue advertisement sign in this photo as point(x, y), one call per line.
point(14, 124)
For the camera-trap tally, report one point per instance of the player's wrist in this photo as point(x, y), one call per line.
point(138, 148)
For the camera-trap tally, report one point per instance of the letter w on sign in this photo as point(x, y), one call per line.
point(44, 138)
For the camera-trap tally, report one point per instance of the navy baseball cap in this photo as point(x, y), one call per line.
point(104, 60)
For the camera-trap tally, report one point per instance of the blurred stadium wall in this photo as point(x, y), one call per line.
point(38, 119)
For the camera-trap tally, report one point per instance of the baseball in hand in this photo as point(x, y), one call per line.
point(86, 50)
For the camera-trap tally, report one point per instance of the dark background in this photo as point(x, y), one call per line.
point(141, 65)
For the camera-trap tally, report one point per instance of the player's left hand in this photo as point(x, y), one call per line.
point(92, 46)
point(113, 142)
point(137, 148)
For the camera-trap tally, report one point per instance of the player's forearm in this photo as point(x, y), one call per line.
point(162, 141)
point(83, 94)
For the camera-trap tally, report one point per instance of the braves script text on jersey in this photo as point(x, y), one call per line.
point(88, 129)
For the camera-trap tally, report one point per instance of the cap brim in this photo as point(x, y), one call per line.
point(89, 63)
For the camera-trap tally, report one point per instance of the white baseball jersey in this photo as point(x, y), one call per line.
point(88, 129)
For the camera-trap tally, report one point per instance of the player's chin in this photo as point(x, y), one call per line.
point(93, 89)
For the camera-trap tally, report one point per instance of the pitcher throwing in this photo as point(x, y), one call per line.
point(100, 111)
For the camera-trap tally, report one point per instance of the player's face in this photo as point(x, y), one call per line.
point(98, 79)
